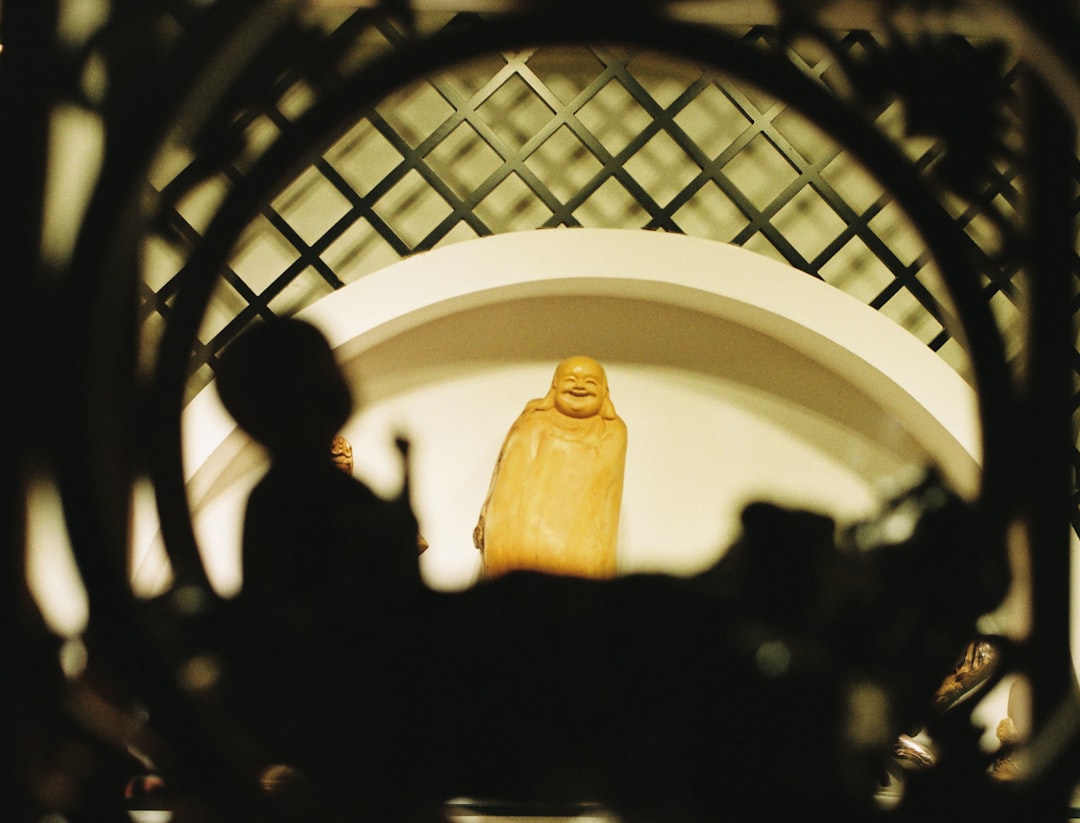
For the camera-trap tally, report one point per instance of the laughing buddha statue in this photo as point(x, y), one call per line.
point(556, 490)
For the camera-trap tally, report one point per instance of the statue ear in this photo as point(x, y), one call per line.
point(607, 408)
point(543, 403)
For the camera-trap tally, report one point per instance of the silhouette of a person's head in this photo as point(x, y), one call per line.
point(280, 381)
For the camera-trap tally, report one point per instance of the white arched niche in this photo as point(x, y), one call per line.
point(739, 378)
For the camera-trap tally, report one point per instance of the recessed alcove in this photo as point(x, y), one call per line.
point(738, 377)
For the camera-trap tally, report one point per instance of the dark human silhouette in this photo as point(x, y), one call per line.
point(331, 582)
point(308, 524)
point(772, 686)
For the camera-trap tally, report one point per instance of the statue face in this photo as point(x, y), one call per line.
point(580, 387)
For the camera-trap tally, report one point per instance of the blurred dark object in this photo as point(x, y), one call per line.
point(649, 695)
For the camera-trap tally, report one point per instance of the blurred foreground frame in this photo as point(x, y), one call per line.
point(91, 412)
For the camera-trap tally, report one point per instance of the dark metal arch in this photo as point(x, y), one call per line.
point(99, 332)
point(93, 359)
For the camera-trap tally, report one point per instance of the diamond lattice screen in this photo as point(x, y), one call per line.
point(587, 136)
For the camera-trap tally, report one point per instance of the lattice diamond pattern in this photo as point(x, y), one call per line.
point(563, 165)
point(710, 213)
point(485, 72)
point(611, 204)
point(310, 206)
point(760, 172)
point(512, 206)
point(360, 249)
point(463, 160)
point(415, 112)
point(301, 291)
point(515, 112)
point(262, 256)
point(808, 222)
point(614, 117)
point(363, 157)
point(856, 270)
point(662, 168)
point(565, 71)
point(413, 207)
point(906, 311)
point(712, 120)
point(904, 244)
point(661, 80)
point(599, 136)
point(228, 303)
point(760, 243)
point(856, 188)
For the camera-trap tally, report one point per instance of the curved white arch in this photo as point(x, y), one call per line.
point(476, 319)
point(723, 280)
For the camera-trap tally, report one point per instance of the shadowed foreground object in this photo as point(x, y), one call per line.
point(655, 696)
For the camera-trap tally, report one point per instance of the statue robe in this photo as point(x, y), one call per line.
point(555, 495)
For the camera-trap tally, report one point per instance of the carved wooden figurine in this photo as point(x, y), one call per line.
point(342, 453)
point(555, 494)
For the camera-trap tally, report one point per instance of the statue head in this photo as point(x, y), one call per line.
point(579, 389)
point(341, 453)
point(280, 381)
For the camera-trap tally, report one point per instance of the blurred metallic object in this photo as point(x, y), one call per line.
point(911, 754)
point(974, 668)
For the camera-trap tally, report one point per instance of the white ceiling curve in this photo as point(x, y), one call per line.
point(652, 299)
point(718, 359)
